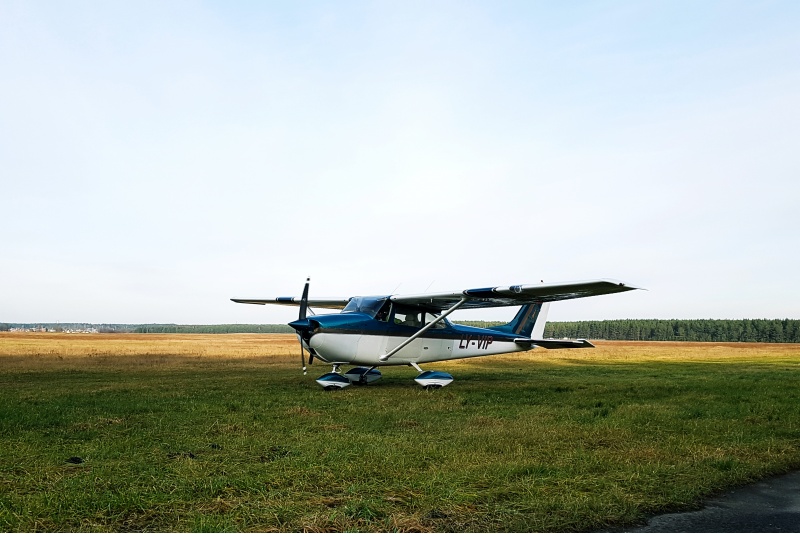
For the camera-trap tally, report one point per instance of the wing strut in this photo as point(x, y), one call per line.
point(450, 310)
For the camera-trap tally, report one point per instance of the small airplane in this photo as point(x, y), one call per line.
point(375, 331)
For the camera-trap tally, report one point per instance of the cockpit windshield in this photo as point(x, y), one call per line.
point(368, 305)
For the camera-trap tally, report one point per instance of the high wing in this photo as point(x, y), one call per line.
point(335, 304)
point(485, 297)
point(493, 297)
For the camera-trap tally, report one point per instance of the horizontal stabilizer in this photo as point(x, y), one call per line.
point(556, 343)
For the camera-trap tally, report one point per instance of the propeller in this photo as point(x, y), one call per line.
point(302, 318)
point(304, 301)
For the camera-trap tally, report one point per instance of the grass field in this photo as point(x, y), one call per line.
point(222, 432)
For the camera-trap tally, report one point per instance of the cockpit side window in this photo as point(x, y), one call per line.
point(371, 306)
point(383, 313)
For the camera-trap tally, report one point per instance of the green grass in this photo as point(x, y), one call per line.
point(514, 444)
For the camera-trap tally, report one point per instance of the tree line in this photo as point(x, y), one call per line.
point(213, 329)
point(730, 330)
point(719, 330)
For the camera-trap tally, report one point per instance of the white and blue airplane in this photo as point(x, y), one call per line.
point(370, 332)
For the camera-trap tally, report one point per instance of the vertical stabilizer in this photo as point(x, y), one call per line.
point(530, 320)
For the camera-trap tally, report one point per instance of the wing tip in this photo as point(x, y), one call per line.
point(247, 301)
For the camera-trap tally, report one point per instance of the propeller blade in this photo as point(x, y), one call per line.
point(303, 309)
point(304, 301)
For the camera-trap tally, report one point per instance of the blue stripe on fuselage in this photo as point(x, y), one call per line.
point(363, 324)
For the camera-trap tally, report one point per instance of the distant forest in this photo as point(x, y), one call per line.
point(722, 330)
point(213, 329)
point(719, 330)
point(151, 328)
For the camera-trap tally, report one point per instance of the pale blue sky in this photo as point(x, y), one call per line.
point(159, 158)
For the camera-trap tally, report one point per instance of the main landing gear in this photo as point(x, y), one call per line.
point(333, 380)
point(361, 376)
point(432, 379)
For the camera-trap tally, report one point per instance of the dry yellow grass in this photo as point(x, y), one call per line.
point(87, 345)
point(27, 349)
point(74, 347)
point(20, 351)
point(653, 351)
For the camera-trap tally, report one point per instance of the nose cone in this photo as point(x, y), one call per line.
point(301, 325)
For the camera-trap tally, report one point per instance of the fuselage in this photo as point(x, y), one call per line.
point(362, 334)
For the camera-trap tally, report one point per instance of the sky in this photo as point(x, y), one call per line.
point(158, 158)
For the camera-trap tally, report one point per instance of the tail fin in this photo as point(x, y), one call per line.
point(529, 321)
